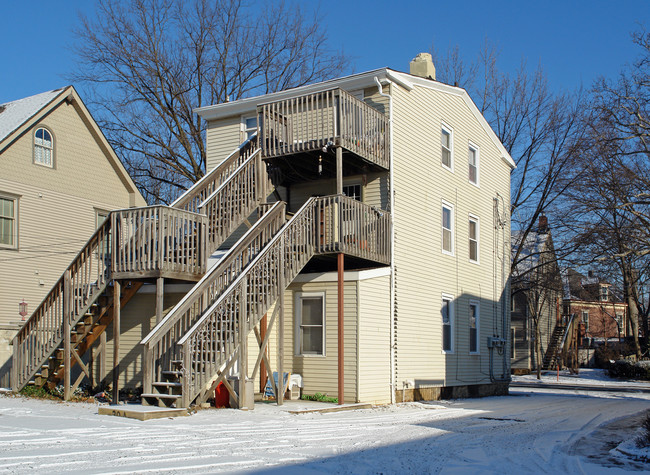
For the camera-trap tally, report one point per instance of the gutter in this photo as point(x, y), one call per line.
point(391, 191)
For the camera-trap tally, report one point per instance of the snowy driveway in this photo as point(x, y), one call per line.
point(533, 430)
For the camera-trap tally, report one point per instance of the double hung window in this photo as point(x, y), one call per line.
point(8, 222)
point(310, 324)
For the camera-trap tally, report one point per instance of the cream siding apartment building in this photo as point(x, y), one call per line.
point(449, 272)
point(59, 178)
point(359, 235)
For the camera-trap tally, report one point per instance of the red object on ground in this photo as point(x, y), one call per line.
point(221, 396)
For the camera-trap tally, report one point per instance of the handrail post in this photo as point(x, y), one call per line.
point(147, 367)
point(186, 375)
point(243, 344)
point(67, 294)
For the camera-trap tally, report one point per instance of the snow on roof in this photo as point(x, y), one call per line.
point(531, 250)
point(14, 114)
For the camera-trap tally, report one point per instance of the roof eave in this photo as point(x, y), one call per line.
point(228, 109)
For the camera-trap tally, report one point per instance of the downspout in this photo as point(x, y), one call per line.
point(391, 191)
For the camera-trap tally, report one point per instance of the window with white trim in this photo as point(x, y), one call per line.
point(447, 149)
point(447, 228)
point(310, 323)
point(352, 191)
point(43, 147)
point(249, 125)
point(8, 222)
point(447, 313)
point(585, 319)
point(473, 164)
point(473, 232)
point(474, 326)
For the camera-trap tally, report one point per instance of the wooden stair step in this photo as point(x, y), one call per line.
point(168, 384)
point(162, 396)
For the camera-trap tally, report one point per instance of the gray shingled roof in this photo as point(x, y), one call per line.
point(14, 114)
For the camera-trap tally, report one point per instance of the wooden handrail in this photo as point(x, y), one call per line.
point(194, 196)
point(89, 273)
point(160, 345)
point(318, 227)
point(235, 199)
point(315, 121)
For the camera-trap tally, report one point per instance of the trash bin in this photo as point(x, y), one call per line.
point(221, 396)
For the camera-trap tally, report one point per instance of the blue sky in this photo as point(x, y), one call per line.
point(575, 41)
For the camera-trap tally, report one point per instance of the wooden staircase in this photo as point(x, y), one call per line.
point(202, 356)
point(557, 344)
point(131, 245)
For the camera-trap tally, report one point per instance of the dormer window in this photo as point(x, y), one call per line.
point(604, 293)
point(43, 148)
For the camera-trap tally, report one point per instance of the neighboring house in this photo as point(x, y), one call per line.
point(59, 178)
point(372, 259)
point(536, 296)
point(598, 305)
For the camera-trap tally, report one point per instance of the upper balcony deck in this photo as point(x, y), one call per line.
point(313, 124)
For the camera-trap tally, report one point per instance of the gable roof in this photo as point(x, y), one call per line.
point(16, 113)
point(18, 116)
point(534, 245)
point(356, 81)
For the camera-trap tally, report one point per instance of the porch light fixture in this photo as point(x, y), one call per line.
point(22, 309)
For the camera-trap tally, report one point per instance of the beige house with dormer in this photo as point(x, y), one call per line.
point(59, 179)
point(363, 235)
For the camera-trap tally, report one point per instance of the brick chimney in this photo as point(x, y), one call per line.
point(422, 65)
point(542, 226)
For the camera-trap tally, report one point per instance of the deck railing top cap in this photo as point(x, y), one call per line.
point(334, 89)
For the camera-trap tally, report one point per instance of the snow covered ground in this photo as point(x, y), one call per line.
point(586, 376)
point(532, 430)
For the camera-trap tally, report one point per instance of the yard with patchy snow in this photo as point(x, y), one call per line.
point(532, 430)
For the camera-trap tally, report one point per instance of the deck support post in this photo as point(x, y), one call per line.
point(160, 293)
point(340, 267)
point(263, 376)
point(339, 171)
point(243, 346)
point(67, 310)
point(116, 340)
point(102, 358)
point(279, 396)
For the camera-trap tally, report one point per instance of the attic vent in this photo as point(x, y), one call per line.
point(422, 65)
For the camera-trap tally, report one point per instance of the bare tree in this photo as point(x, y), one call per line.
point(148, 63)
point(614, 195)
point(542, 130)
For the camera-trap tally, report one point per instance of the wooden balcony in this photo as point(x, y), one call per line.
point(310, 127)
point(158, 241)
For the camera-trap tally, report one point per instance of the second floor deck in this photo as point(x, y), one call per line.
point(312, 126)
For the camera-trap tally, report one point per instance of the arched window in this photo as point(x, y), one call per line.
point(43, 147)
